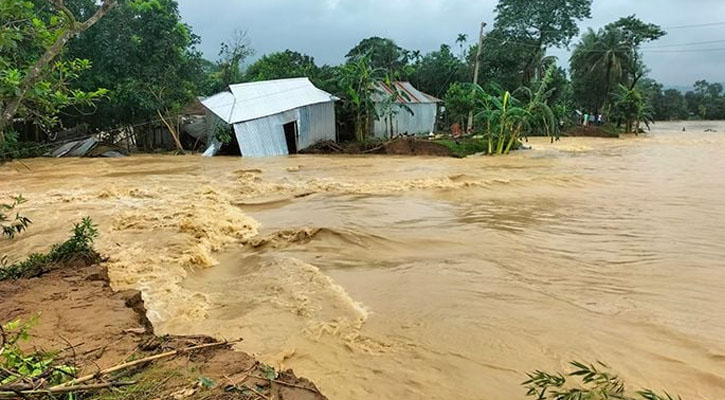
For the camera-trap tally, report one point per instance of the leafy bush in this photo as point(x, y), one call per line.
point(78, 248)
point(17, 225)
point(12, 148)
point(465, 147)
point(18, 366)
point(592, 383)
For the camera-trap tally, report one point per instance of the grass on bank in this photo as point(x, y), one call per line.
point(78, 248)
point(470, 146)
point(465, 147)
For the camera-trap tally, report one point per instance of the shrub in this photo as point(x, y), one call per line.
point(591, 383)
point(18, 366)
point(12, 148)
point(11, 227)
point(78, 248)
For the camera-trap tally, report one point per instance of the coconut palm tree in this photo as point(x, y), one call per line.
point(605, 55)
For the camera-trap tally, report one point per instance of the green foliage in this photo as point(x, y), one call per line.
point(550, 22)
point(27, 33)
point(13, 225)
point(607, 58)
point(535, 25)
point(590, 383)
point(223, 133)
point(18, 365)
point(232, 55)
point(465, 147)
point(503, 117)
point(382, 54)
point(358, 81)
point(78, 247)
point(434, 72)
point(631, 107)
point(286, 64)
point(706, 100)
point(145, 55)
point(460, 100)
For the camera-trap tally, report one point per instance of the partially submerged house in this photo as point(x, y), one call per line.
point(272, 118)
point(412, 112)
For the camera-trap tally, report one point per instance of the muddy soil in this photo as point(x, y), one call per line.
point(95, 328)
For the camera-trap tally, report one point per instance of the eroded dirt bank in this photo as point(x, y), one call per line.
point(419, 277)
point(96, 328)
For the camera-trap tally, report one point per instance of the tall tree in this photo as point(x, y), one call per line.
point(437, 70)
point(232, 56)
point(610, 57)
point(382, 53)
point(598, 65)
point(286, 64)
point(543, 23)
point(145, 55)
point(31, 83)
point(634, 33)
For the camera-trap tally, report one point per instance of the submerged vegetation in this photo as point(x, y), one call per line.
point(13, 224)
point(590, 382)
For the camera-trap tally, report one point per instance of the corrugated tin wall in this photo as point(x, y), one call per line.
point(317, 122)
point(264, 136)
point(422, 121)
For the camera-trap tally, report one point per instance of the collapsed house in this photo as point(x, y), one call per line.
point(411, 112)
point(271, 118)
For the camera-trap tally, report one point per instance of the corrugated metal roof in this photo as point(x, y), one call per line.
point(249, 101)
point(407, 93)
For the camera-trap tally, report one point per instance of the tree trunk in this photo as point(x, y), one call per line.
point(36, 71)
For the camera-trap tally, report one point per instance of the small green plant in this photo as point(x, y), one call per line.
point(12, 148)
point(18, 224)
point(223, 134)
point(18, 366)
point(592, 383)
point(78, 248)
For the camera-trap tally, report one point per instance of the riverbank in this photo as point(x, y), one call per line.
point(95, 328)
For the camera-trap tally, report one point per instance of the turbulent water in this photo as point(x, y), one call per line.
point(393, 277)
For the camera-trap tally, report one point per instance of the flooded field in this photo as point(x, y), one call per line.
point(395, 277)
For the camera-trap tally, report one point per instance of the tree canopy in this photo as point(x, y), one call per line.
point(285, 64)
point(382, 53)
point(145, 56)
point(34, 84)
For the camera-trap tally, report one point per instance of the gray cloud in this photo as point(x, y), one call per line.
point(327, 29)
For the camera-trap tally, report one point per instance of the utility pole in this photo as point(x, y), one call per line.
point(475, 71)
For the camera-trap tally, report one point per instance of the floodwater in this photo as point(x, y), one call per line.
point(394, 278)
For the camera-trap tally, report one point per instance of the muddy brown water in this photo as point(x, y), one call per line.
point(399, 277)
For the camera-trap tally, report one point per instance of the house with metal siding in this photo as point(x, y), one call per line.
point(272, 118)
point(413, 113)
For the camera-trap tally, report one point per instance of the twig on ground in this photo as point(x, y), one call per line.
point(257, 392)
point(107, 371)
point(65, 389)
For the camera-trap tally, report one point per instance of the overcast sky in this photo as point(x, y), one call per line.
point(327, 29)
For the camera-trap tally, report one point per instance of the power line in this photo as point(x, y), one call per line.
point(706, 25)
point(684, 44)
point(685, 51)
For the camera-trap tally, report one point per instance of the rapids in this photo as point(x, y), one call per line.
point(414, 277)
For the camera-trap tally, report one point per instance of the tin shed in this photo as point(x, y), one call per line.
point(272, 118)
point(415, 113)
